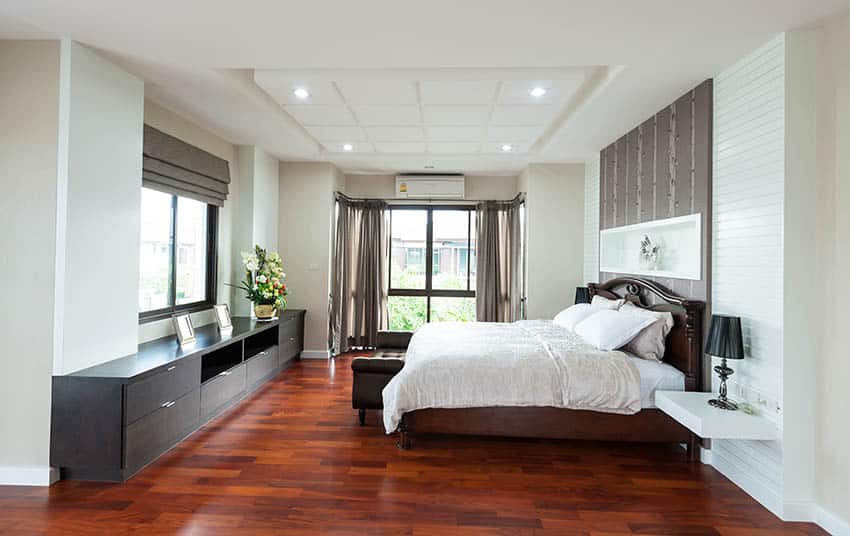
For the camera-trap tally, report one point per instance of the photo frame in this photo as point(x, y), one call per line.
point(222, 317)
point(184, 329)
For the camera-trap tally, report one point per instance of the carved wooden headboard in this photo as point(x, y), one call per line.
point(684, 343)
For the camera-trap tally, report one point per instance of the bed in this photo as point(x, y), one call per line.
point(627, 410)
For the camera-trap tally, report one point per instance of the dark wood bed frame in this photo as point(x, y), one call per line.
point(683, 351)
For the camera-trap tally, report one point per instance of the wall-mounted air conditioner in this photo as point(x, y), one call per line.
point(429, 186)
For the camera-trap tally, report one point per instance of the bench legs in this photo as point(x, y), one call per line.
point(361, 415)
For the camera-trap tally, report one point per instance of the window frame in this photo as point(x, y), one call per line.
point(429, 292)
point(211, 270)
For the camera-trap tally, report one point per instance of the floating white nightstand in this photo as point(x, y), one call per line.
point(692, 411)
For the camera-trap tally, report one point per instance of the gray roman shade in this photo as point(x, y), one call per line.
point(175, 167)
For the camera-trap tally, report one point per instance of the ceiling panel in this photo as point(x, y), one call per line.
point(522, 115)
point(356, 147)
point(519, 91)
point(400, 133)
point(282, 88)
point(455, 115)
point(316, 114)
point(442, 133)
point(458, 91)
point(337, 133)
point(496, 148)
point(399, 147)
point(388, 115)
point(513, 133)
point(381, 92)
point(458, 147)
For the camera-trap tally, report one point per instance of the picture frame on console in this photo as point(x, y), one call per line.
point(222, 317)
point(183, 328)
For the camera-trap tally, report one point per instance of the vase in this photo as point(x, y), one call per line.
point(265, 312)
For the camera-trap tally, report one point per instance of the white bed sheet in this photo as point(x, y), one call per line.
point(655, 376)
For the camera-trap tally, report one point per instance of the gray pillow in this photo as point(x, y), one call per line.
point(650, 342)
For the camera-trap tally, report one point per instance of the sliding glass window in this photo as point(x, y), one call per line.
point(432, 266)
point(177, 255)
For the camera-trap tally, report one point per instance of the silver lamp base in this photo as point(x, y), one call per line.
point(723, 403)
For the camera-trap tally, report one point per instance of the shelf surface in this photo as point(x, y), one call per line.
point(692, 410)
point(154, 354)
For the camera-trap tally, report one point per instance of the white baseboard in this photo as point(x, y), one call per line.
point(764, 494)
point(315, 354)
point(831, 522)
point(28, 476)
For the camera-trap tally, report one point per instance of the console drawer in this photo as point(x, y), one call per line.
point(155, 433)
point(169, 384)
point(261, 366)
point(221, 390)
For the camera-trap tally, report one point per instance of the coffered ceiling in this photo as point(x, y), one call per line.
point(429, 111)
point(439, 85)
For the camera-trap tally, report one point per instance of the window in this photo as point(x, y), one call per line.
point(177, 229)
point(432, 271)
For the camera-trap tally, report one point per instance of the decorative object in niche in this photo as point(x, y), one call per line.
point(671, 247)
point(264, 283)
point(222, 317)
point(184, 329)
point(649, 253)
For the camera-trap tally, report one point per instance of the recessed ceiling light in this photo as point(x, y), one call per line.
point(507, 147)
point(538, 92)
point(348, 147)
point(301, 93)
point(429, 167)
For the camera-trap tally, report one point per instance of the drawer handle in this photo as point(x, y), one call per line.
point(172, 367)
point(225, 373)
point(292, 338)
point(169, 404)
point(264, 353)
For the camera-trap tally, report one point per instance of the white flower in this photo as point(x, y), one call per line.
point(250, 261)
point(261, 278)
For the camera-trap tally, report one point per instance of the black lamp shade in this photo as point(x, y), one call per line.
point(724, 337)
point(582, 295)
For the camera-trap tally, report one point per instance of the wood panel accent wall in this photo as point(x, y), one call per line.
point(662, 169)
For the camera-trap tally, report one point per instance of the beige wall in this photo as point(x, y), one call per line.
point(832, 453)
point(304, 238)
point(29, 107)
point(100, 242)
point(477, 187)
point(186, 130)
point(555, 233)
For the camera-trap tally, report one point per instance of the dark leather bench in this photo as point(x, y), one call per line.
point(371, 374)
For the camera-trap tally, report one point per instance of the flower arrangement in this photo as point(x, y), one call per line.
point(264, 282)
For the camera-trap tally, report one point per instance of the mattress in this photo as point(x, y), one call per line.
point(655, 376)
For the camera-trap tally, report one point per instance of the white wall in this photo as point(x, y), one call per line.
point(748, 253)
point(555, 233)
point(304, 238)
point(101, 276)
point(591, 219)
point(184, 129)
point(476, 187)
point(266, 199)
point(29, 108)
point(833, 134)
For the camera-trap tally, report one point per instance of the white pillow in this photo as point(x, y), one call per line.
point(650, 342)
point(599, 303)
point(609, 330)
point(573, 314)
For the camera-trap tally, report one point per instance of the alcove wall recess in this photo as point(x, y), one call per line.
point(678, 241)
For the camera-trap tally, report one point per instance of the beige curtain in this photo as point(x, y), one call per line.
point(358, 274)
point(500, 280)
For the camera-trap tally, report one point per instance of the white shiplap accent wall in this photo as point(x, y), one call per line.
point(747, 263)
point(591, 220)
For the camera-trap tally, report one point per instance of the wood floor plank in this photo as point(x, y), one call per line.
point(291, 459)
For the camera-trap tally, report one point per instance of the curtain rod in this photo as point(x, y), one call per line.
point(520, 197)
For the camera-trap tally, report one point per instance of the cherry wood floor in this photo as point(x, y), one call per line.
point(291, 459)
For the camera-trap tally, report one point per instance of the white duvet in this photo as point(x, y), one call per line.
point(526, 363)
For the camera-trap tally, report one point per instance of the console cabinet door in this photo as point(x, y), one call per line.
point(167, 384)
point(221, 390)
point(261, 367)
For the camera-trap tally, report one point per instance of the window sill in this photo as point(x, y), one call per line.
point(153, 316)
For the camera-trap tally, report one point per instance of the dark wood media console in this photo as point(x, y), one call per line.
point(111, 420)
